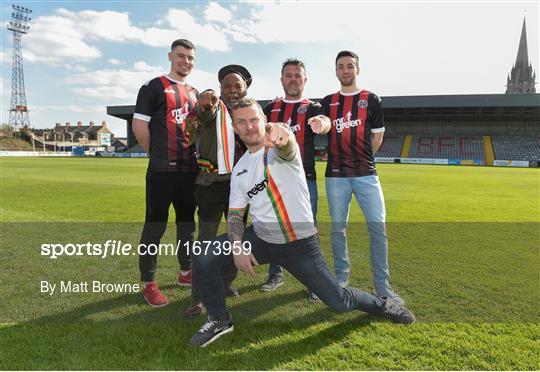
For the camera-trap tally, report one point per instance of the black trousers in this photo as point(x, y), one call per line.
point(212, 203)
point(162, 189)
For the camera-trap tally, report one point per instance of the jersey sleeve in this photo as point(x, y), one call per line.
point(145, 106)
point(325, 106)
point(267, 110)
point(314, 109)
point(237, 199)
point(376, 116)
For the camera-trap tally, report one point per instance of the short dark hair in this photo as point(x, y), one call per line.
point(293, 62)
point(347, 53)
point(183, 43)
point(248, 102)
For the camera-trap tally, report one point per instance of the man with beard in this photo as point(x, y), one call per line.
point(301, 116)
point(217, 150)
point(270, 179)
point(356, 134)
point(162, 106)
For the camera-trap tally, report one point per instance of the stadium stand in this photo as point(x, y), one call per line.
point(447, 147)
point(516, 147)
point(391, 146)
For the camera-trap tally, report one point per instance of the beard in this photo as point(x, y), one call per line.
point(293, 90)
point(347, 82)
point(182, 73)
point(251, 140)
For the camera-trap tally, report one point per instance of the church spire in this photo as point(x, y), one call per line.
point(522, 58)
point(522, 75)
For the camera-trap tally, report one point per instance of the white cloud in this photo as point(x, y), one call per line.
point(5, 56)
point(302, 22)
point(216, 13)
point(75, 67)
point(57, 39)
point(68, 36)
point(115, 62)
point(121, 85)
point(67, 108)
point(114, 85)
point(208, 36)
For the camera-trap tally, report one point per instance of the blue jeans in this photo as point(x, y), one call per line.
point(302, 258)
point(369, 196)
point(275, 269)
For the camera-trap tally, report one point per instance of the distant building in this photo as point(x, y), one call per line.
point(521, 79)
point(75, 135)
point(120, 144)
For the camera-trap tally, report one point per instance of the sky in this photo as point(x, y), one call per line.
point(81, 56)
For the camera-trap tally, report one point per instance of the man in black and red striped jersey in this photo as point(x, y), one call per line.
point(356, 134)
point(302, 117)
point(163, 104)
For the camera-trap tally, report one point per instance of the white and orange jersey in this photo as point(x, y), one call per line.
point(277, 194)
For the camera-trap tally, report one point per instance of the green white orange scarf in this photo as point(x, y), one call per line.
point(225, 140)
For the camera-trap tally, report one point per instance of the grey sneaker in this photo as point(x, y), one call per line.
point(272, 283)
point(388, 292)
point(312, 296)
point(396, 312)
point(211, 331)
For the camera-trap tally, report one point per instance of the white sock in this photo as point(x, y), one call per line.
point(182, 272)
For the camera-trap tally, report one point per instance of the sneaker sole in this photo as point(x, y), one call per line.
point(155, 306)
point(228, 330)
point(272, 289)
point(399, 302)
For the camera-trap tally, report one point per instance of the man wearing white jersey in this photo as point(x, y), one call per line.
point(270, 179)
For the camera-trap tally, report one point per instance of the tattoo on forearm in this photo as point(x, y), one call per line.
point(288, 151)
point(235, 225)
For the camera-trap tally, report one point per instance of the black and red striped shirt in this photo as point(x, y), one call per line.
point(296, 114)
point(165, 103)
point(354, 116)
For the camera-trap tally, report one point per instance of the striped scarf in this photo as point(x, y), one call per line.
point(225, 140)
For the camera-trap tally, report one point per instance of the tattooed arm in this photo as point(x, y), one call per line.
point(235, 229)
point(235, 225)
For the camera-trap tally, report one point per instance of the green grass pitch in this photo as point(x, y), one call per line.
point(464, 253)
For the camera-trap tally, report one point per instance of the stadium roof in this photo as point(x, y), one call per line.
point(474, 107)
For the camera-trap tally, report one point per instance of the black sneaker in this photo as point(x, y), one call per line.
point(272, 283)
point(396, 312)
point(231, 291)
point(211, 331)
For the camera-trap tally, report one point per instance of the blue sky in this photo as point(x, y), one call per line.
point(81, 56)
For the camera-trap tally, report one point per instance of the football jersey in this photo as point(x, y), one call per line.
point(277, 194)
point(296, 114)
point(353, 116)
point(165, 103)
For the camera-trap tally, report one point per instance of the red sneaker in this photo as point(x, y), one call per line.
point(184, 280)
point(153, 295)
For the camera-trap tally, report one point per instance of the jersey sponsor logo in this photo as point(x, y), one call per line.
point(243, 171)
point(276, 110)
point(180, 114)
point(288, 123)
point(301, 109)
point(257, 188)
point(334, 104)
point(169, 91)
point(362, 103)
point(294, 128)
point(346, 122)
